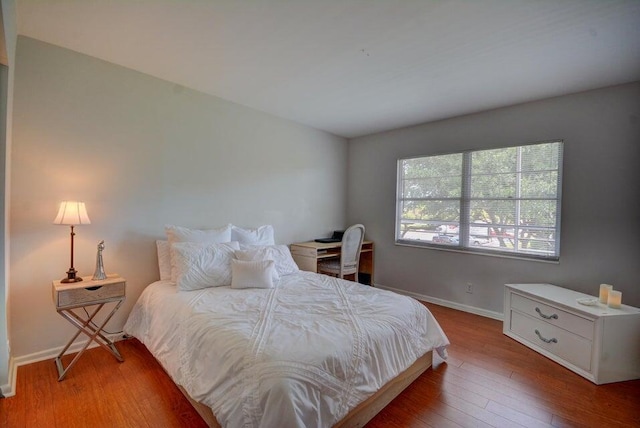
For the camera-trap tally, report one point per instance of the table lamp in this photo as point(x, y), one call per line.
point(72, 213)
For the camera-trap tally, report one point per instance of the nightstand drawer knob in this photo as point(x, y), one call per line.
point(97, 287)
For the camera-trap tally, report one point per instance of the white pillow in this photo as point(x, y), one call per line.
point(209, 236)
point(260, 236)
point(201, 265)
point(280, 254)
point(257, 274)
point(164, 259)
point(183, 234)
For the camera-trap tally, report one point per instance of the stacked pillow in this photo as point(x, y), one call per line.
point(177, 234)
point(280, 254)
point(201, 265)
point(230, 255)
point(253, 274)
point(260, 236)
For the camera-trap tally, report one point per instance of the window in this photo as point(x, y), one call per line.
point(501, 201)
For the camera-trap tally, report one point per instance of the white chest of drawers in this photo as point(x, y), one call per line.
point(597, 342)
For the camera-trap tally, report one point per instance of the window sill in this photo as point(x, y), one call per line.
point(473, 251)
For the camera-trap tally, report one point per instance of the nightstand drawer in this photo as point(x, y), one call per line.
point(79, 296)
point(88, 292)
point(570, 347)
point(553, 315)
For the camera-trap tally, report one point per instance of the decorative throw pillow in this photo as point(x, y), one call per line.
point(183, 234)
point(263, 235)
point(164, 259)
point(256, 274)
point(201, 265)
point(280, 254)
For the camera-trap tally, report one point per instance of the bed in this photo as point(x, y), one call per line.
point(309, 351)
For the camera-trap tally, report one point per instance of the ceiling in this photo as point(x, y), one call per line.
point(355, 67)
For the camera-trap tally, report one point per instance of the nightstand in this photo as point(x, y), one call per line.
point(70, 296)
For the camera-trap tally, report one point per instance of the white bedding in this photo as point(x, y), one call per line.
point(302, 354)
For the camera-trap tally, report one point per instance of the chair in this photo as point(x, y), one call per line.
point(349, 254)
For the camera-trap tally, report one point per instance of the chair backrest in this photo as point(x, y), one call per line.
point(351, 246)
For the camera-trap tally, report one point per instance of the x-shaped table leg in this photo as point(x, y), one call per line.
point(86, 326)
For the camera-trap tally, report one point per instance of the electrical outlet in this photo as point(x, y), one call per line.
point(469, 287)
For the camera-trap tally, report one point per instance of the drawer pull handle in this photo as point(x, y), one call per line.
point(554, 340)
point(97, 287)
point(547, 317)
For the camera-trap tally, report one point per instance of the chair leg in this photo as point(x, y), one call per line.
point(335, 275)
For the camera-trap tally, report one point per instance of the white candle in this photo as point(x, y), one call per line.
point(604, 292)
point(615, 299)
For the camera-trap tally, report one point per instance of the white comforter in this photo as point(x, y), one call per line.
point(302, 354)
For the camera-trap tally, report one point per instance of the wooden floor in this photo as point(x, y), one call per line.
point(488, 381)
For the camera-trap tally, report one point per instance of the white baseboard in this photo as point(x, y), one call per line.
point(7, 389)
point(446, 303)
point(47, 354)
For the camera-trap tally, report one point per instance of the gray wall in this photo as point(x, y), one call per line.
point(600, 237)
point(4, 337)
point(142, 152)
point(6, 101)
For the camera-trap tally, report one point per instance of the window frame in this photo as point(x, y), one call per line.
point(465, 200)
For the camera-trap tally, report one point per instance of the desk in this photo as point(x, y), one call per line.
point(307, 255)
point(76, 295)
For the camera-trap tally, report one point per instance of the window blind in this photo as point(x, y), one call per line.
point(503, 201)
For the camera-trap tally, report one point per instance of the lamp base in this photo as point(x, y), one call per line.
point(71, 277)
point(68, 280)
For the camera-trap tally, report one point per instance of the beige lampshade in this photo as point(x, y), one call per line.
point(72, 213)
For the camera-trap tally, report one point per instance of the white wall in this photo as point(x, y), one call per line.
point(600, 237)
point(142, 153)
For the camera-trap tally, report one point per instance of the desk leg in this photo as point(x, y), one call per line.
point(94, 334)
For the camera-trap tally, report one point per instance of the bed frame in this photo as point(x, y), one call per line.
point(362, 413)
